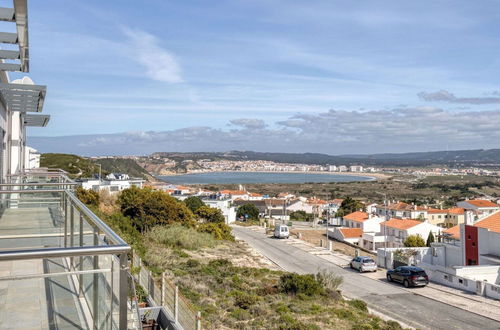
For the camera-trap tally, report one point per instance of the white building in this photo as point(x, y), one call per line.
point(225, 205)
point(356, 168)
point(342, 168)
point(349, 235)
point(482, 207)
point(394, 232)
point(31, 158)
point(112, 186)
point(332, 168)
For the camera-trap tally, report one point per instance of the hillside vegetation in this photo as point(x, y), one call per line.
point(75, 165)
point(123, 165)
point(80, 167)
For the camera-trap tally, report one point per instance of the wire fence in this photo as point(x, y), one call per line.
point(166, 294)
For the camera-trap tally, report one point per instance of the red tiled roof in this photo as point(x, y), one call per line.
point(402, 224)
point(357, 216)
point(492, 222)
point(454, 232)
point(351, 232)
point(233, 192)
point(482, 203)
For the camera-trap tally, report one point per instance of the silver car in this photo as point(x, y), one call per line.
point(363, 264)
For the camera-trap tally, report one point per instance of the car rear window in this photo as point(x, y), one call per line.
point(365, 261)
point(418, 272)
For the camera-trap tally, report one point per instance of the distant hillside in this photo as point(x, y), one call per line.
point(455, 157)
point(75, 165)
point(123, 165)
point(86, 168)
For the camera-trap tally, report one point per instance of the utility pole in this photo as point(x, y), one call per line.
point(100, 171)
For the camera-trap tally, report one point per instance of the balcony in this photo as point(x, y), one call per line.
point(60, 265)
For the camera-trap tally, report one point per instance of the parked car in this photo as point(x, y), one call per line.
point(363, 264)
point(281, 231)
point(408, 275)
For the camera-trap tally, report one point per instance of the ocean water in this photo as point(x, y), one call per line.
point(259, 177)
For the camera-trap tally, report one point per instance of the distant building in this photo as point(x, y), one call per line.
point(356, 168)
point(342, 168)
point(31, 158)
point(332, 168)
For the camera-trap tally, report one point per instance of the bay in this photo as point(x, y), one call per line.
point(259, 177)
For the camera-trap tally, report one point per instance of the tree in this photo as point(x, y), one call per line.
point(147, 208)
point(301, 216)
point(349, 205)
point(248, 211)
point(414, 241)
point(430, 239)
point(193, 203)
point(210, 214)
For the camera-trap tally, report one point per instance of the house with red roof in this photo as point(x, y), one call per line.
point(481, 207)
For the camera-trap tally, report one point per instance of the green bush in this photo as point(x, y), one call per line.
point(287, 322)
point(219, 231)
point(88, 197)
point(193, 203)
point(244, 300)
point(293, 283)
point(148, 208)
point(248, 212)
point(180, 237)
point(329, 280)
point(210, 214)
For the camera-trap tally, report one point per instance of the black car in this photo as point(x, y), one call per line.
point(408, 275)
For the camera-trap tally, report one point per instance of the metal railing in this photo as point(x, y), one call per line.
point(166, 294)
point(93, 257)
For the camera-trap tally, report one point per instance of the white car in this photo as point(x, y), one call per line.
point(363, 264)
point(281, 231)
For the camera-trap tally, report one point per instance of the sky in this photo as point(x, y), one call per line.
point(338, 77)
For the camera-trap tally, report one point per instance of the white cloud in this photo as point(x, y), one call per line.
point(160, 64)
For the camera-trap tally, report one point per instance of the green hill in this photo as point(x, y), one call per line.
point(75, 165)
point(123, 165)
point(80, 167)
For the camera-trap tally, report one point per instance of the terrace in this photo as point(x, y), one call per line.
point(60, 265)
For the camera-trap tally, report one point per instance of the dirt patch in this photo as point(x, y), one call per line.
point(314, 237)
point(240, 254)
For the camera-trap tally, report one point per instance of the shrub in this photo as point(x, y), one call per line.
point(359, 304)
point(219, 231)
point(241, 314)
point(210, 214)
point(88, 197)
point(293, 283)
point(287, 322)
point(180, 237)
point(329, 280)
point(414, 241)
point(148, 208)
point(244, 300)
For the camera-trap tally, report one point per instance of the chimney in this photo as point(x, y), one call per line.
point(468, 218)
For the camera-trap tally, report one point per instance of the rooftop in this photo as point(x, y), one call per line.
point(357, 216)
point(402, 224)
point(491, 222)
point(482, 203)
point(351, 232)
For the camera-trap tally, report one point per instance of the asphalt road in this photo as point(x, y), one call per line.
point(387, 298)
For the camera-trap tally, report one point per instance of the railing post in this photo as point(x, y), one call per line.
point(95, 283)
point(176, 304)
point(80, 279)
point(198, 321)
point(72, 231)
point(65, 221)
point(163, 283)
point(123, 291)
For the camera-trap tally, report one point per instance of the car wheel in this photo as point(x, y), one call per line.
point(406, 283)
point(389, 278)
point(360, 269)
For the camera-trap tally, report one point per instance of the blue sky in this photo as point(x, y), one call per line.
point(282, 67)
